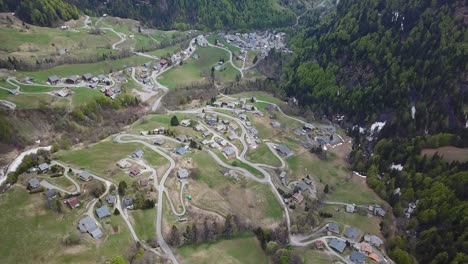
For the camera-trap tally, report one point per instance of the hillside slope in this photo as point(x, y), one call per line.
point(374, 60)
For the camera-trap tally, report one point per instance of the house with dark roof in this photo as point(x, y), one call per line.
point(357, 257)
point(182, 150)
point(181, 138)
point(86, 176)
point(373, 240)
point(283, 149)
point(137, 154)
point(333, 227)
point(34, 183)
point(87, 77)
point(229, 151)
point(72, 202)
point(210, 122)
point(72, 79)
point(50, 194)
point(44, 167)
point(88, 225)
point(103, 212)
point(302, 186)
point(337, 244)
point(110, 199)
point(54, 79)
point(352, 233)
point(128, 202)
point(308, 127)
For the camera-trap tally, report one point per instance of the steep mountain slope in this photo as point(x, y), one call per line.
point(403, 62)
point(41, 12)
point(376, 59)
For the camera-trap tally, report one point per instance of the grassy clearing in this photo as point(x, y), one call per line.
point(41, 231)
point(449, 154)
point(101, 158)
point(362, 222)
point(80, 69)
point(40, 42)
point(312, 256)
point(32, 101)
point(34, 229)
point(336, 174)
point(262, 96)
point(37, 89)
point(144, 223)
point(263, 154)
point(181, 76)
point(165, 52)
point(193, 71)
point(223, 194)
point(211, 39)
point(245, 249)
point(84, 95)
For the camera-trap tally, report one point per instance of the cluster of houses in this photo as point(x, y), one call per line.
point(360, 250)
point(373, 209)
point(75, 79)
point(260, 41)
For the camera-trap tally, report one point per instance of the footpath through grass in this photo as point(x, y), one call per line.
point(244, 249)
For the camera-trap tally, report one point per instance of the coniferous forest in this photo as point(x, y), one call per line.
point(403, 62)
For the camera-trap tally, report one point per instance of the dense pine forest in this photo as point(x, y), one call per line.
point(376, 59)
point(41, 12)
point(164, 14)
point(403, 62)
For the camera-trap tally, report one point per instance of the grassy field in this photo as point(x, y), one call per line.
point(449, 154)
point(336, 174)
point(84, 95)
point(144, 223)
point(36, 235)
point(361, 222)
point(222, 194)
point(193, 71)
point(29, 101)
point(263, 154)
point(165, 52)
point(211, 39)
point(312, 256)
point(245, 249)
point(262, 96)
point(40, 42)
point(97, 68)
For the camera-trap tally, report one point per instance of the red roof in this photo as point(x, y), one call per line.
point(73, 202)
point(134, 171)
point(319, 244)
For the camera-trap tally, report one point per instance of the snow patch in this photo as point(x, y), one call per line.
point(359, 175)
point(397, 167)
point(413, 112)
point(377, 126)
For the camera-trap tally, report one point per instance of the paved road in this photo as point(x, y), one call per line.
point(230, 58)
point(162, 243)
point(65, 173)
point(8, 104)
